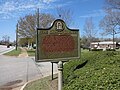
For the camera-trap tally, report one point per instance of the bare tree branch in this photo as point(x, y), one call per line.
point(66, 15)
point(89, 28)
point(89, 31)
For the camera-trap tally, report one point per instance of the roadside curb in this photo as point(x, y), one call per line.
point(6, 51)
point(22, 88)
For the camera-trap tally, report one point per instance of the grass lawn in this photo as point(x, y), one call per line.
point(31, 52)
point(13, 52)
point(84, 50)
point(94, 71)
point(43, 84)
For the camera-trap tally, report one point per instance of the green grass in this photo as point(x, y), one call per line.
point(42, 84)
point(84, 50)
point(101, 72)
point(31, 52)
point(13, 52)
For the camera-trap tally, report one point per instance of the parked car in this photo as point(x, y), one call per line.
point(8, 46)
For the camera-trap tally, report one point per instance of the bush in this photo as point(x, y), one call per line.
point(34, 47)
point(96, 49)
point(101, 72)
point(110, 49)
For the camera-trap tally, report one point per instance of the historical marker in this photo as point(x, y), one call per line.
point(57, 43)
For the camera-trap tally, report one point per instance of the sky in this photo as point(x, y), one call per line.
point(12, 10)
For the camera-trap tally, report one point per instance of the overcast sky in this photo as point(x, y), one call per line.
point(12, 10)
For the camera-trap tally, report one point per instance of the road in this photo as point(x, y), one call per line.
point(16, 71)
point(4, 49)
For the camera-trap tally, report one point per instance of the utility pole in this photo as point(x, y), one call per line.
point(16, 36)
point(37, 17)
point(113, 39)
point(36, 56)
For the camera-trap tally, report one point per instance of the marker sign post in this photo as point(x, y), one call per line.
point(57, 43)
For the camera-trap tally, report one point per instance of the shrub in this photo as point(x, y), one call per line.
point(110, 49)
point(101, 72)
point(96, 49)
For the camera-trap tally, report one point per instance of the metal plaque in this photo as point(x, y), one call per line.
point(57, 42)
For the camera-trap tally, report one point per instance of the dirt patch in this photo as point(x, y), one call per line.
point(43, 84)
point(6, 88)
point(23, 52)
point(13, 83)
point(54, 84)
point(10, 85)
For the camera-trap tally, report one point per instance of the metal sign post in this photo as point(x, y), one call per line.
point(60, 78)
point(52, 70)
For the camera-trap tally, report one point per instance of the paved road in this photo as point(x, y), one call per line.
point(16, 70)
point(22, 69)
point(4, 49)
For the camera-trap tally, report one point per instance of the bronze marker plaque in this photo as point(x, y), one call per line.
point(57, 43)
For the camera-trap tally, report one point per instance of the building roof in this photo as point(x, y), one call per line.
point(104, 42)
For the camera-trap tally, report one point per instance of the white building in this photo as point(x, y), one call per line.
point(103, 45)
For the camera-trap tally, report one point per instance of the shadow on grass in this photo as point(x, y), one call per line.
point(81, 65)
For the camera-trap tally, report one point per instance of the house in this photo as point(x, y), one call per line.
point(103, 45)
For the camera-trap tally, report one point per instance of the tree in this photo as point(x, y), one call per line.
point(28, 24)
point(5, 39)
point(84, 42)
point(89, 30)
point(25, 41)
point(111, 21)
point(66, 15)
point(113, 4)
